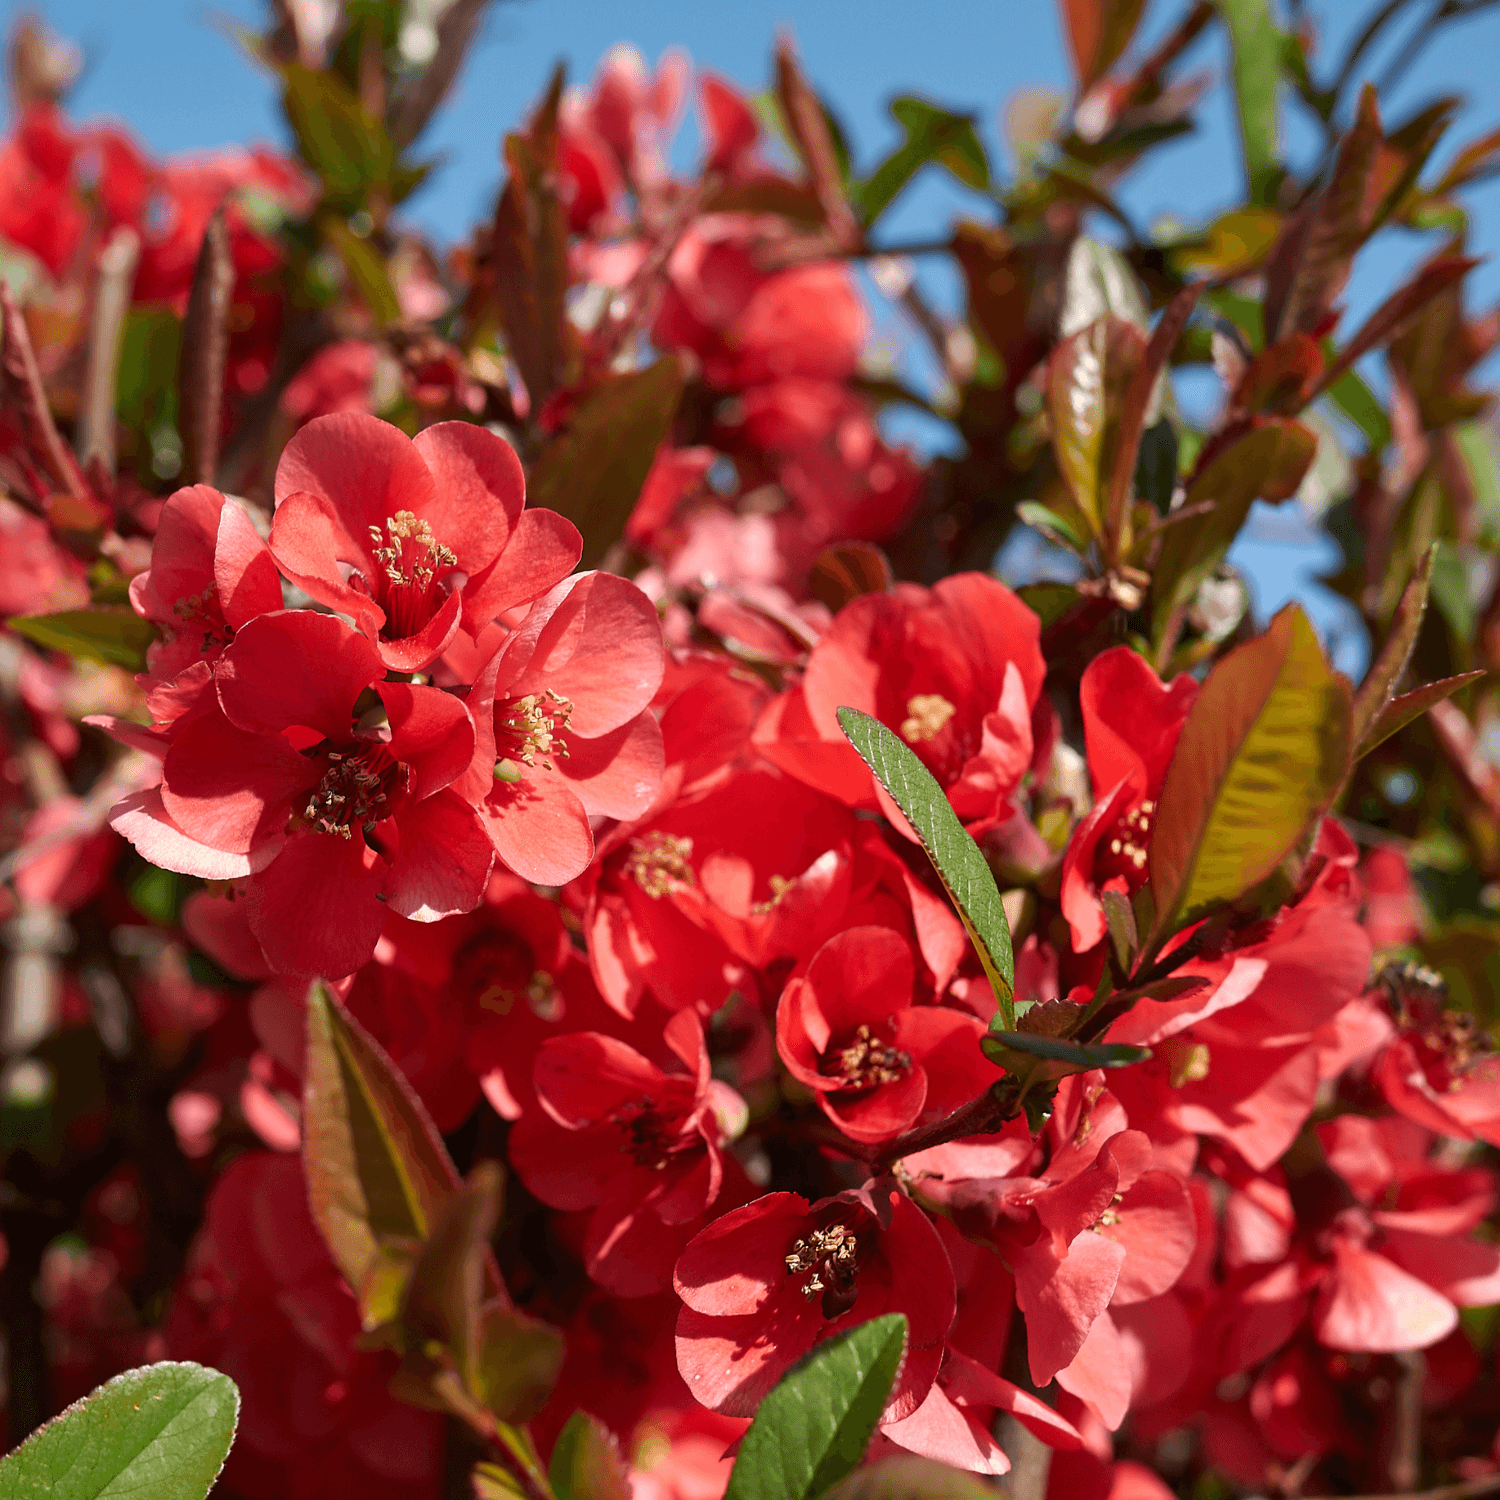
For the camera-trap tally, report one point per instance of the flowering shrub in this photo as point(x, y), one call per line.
point(576, 925)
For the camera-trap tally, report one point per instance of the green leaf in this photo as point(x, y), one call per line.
point(1261, 755)
point(1099, 284)
point(593, 473)
point(954, 855)
point(933, 134)
point(347, 148)
point(1385, 671)
point(491, 1482)
point(907, 1477)
point(162, 1431)
point(1400, 712)
point(1357, 402)
point(815, 1425)
point(1450, 591)
point(365, 268)
point(1053, 526)
point(1080, 1058)
point(1256, 45)
point(586, 1463)
point(1087, 378)
point(1268, 461)
point(376, 1166)
point(114, 635)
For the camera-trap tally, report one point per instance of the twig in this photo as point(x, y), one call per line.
point(96, 418)
point(1401, 1435)
point(205, 349)
point(1469, 1489)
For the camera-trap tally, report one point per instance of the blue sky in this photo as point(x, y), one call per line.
point(171, 69)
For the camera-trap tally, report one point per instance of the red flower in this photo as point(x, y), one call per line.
point(1131, 721)
point(336, 816)
point(638, 1146)
point(565, 731)
point(955, 670)
point(411, 539)
point(876, 1063)
point(210, 574)
point(764, 1284)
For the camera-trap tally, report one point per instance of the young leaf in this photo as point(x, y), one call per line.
point(376, 1166)
point(1262, 753)
point(815, 1425)
point(1079, 1058)
point(1385, 671)
point(205, 347)
point(1119, 917)
point(1256, 44)
point(933, 134)
point(115, 635)
point(954, 855)
point(1098, 32)
point(1087, 378)
point(163, 1431)
point(1053, 526)
point(491, 1482)
point(904, 1476)
point(593, 473)
point(1400, 712)
point(586, 1463)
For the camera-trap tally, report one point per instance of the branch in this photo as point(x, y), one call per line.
point(96, 418)
point(1470, 1489)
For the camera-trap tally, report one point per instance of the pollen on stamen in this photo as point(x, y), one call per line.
point(927, 715)
point(534, 727)
point(657, 861)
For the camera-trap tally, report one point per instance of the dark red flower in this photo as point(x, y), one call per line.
point(764, 1284)
point(412, 538)
point(876, 1063)
point(955, 670)
point(638, 1146)
point(333, 800)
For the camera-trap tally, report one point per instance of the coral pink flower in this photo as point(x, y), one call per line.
point(764, 1284)
point(1131, 721)
point(955, 670)
point(565, 731)
point(412, 538)
point(337, 812)
point(638, 1146)
point(876, 1063)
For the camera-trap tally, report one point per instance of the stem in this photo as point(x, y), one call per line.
point(978, 1117)
point(96, 418)
point(1030, 1458)
point(1470, 1489)
point(1401, 1437)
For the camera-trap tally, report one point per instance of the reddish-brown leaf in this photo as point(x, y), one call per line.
point(845, 572)
point(1098, 32)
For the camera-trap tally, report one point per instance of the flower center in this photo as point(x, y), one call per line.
point(355, 789)
point(203, 611)
point(658, 861)
point(1125, 850)
point(412, 559)
point(829, 1260)
point(531, 727)
point(650, 1137)
point(865, 1060)
point(927, 715)
point(780, 885)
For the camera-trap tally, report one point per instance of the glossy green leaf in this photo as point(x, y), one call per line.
point(954, 855)
point(1268, 461)
point(593, 473)
point(1401, 711)
point(491, 1482)
point(1079, 1057)
point(376, 1166)
point(586, 1462)
point(115, 635)
point(1264, 749)
point(1053, 526)
point(1255, 43)
point(815, 1425)
point(1088, 375)
point(1385, 671)
point(161, 1432)
point(933, 134)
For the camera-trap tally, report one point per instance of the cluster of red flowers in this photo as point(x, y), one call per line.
point(592, 859)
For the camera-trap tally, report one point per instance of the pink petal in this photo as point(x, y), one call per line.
point(478, 490)
point(542, 550)
point(539, 829)
point(619, 774)
point(1369, 1304)
point(444, 860)
point(1062, 1299)
point(244, 570)
point(142, 820)
point(310, 541)
point(366, 468)
point(431, 732)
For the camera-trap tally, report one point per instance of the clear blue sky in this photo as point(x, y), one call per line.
point(171, 69)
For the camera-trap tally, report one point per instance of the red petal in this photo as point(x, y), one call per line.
point(737, 1265)
point(443, 862)
point(141, 819)
point(629, 1250)
point(182, 552)
point(939, 1430)
point(317, 909)
point(478, 490)
point(411, 653)
point(584, 1078)
point(1101, 1372)
point(882, 1113)
point(309, 541)
point(619, 774)
point(230, 790)
point(1131, 719)
point(366, 468)
point(864, 974)
point(431, 732)
point(1368, 1304)
point(1061, 1300)
point(296, 667)
point(539, 828)
point(244, 570)
point(542, 550)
